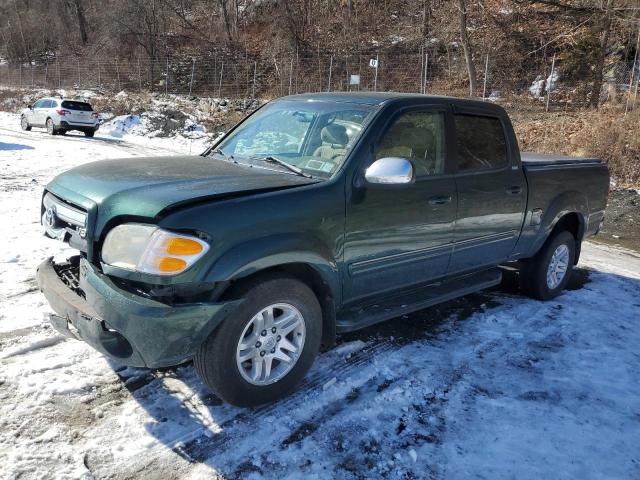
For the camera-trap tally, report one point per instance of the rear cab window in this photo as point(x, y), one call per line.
point(78, 106)
point(481, 143)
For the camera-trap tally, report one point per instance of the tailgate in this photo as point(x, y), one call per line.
point(77, 116)
point(78, 112)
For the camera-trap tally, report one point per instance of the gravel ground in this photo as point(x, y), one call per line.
point(622, 220)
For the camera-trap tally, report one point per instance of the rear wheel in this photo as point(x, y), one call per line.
point(24, 124)
point(261, 352)
point(51, 130)
point(89, 133)
point(547, 274)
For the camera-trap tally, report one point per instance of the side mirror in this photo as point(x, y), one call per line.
point(30, 107)
point(391, 171)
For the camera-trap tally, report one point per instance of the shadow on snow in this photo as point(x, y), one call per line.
point(184, 423)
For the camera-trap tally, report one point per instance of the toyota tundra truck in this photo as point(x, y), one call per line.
point(317, 214)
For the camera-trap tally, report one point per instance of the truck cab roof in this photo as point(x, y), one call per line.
point(384, 98)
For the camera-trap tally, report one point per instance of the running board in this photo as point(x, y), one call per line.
point(416, 299)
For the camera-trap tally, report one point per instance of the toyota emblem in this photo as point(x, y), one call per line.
point(50, 217)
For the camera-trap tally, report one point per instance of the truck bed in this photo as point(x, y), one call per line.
point(531, 159)
point(556, 183)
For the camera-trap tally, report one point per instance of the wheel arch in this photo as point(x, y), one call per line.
point(299, 256)
point(567, 211)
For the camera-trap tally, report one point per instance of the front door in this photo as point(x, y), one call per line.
point(402, 235)
point(37, 115)
point(492, 192)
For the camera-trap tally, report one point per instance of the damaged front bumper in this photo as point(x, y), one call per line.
point(129, 328)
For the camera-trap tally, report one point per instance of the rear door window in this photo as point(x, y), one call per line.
point(481, 143)
point(78, 106)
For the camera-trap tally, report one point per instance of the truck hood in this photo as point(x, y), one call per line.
point(144, 187)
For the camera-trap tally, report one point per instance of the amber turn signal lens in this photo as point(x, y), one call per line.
point(183, 247)
point(170, 264)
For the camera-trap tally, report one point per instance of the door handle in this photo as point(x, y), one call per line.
point(514, 190)
point(439, 200)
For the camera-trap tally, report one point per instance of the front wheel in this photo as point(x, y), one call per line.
point(89, 133)
point(547, 274)
point(261, 352)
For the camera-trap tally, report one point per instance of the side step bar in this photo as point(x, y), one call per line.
point(416, 299)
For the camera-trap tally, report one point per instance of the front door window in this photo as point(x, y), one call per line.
point(417, 136)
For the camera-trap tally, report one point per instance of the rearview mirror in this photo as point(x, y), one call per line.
point(390, 171)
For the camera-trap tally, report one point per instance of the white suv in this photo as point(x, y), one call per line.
point(59, 115)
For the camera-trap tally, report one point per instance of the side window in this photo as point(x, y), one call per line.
point(39, 104)
point(419, 137)
point(481, 143)
point(48, 104)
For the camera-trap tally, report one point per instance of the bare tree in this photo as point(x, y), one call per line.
point(466, 46)
point(145, 22)
point(78, 9)
point(594, 101)
point(225, 18)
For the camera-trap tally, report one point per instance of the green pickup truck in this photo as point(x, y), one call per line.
point(317, 214)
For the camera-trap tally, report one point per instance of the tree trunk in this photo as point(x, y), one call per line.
point(602, 54)
point(82, 21)
point(24, 43)
point(426, 17)
point(466, 45)
point(225, 18)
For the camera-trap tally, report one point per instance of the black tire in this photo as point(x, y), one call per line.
point(51, 129)
point(89, 133)
point(215, 361)
point(24, 124)
point(533, 275)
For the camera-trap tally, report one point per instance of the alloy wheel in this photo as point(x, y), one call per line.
point(271, 344)
point(558, 266)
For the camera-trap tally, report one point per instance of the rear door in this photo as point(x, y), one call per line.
point(403, 235)
point(491, 191)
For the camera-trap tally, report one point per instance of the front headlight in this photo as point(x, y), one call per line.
point(149, 249)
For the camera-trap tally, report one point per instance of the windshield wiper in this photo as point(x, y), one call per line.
point(288, 166)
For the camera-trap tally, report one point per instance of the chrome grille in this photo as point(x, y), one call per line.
point(64, 221)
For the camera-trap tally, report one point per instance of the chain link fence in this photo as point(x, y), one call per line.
point(232, 76)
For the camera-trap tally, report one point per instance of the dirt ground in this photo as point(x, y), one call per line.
point(622, 220)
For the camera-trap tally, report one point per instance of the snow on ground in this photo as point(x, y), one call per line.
point(493, 385)
point(140, 129)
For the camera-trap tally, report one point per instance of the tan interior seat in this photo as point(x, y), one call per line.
point(402, 140)
point(406, 140)
point(334, 142)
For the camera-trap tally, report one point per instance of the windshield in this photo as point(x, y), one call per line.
point(312, 136)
